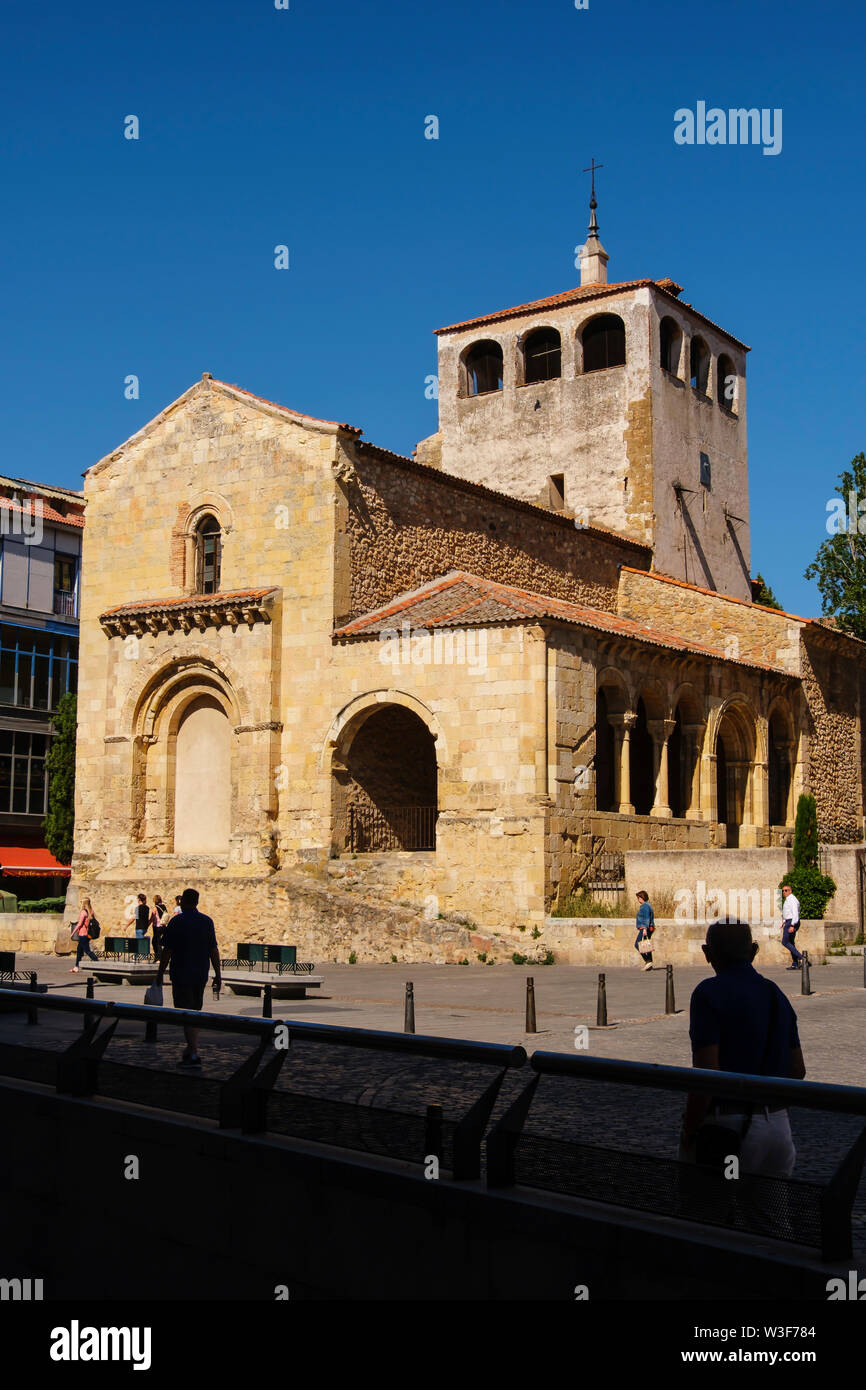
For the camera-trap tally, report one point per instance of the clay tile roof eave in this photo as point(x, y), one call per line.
point(189, 601)
point(537, 608)
point(554, 301)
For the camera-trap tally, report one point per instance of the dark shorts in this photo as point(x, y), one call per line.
point(186, 996)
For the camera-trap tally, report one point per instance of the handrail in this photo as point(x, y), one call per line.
point(813, 1095)
point(419, 1044)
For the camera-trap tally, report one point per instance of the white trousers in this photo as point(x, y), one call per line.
point(767, 1148)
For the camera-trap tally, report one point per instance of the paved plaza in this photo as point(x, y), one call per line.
point(486, 1004)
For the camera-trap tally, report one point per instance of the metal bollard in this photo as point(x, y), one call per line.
point(530, 1004)
point(87, 1019)
point(409, 1009)
point(267, 1002)
point(805, 981)
point(33, 1014)
point(601, 1010)
point(670, 1002)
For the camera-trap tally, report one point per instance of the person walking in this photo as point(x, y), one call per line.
point(158, 921)
point(81, 934)
point(142, 916)
point(176, 909)
point(190, 945)
point(645, 922)
point(791, 925)
point(740, 1022)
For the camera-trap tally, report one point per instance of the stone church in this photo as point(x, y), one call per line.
point(372, 702)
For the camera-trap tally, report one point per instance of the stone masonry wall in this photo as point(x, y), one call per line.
point(408, 524)
point(699, 615)
point(831, 686)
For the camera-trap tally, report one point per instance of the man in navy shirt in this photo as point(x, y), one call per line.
point(742, 1022)
point(189, 946)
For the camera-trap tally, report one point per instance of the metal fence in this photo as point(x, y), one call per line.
point(606, 879)
point(377, 828)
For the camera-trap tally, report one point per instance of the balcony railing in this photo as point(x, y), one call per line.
point(64, 603)
point(377, 828)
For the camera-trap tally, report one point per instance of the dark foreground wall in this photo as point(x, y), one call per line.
point(215, 1214)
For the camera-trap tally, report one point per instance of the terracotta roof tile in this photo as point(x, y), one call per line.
point(556, 301)
point(48, 512)
point(460, 599)
point(189, 601)
point(713, 593)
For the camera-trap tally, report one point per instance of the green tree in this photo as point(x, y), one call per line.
point(812, 888)
point(765, 594)
point(60, 765)
point(840, 564)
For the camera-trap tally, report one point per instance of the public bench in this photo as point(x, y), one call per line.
point(8, 974)
point(258, 964)
point(126, 958)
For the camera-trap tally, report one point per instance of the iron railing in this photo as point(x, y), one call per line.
point(64, 603)
point(606, 880)
point(378, 828)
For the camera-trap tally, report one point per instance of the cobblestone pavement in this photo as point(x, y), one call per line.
point(486, 1004)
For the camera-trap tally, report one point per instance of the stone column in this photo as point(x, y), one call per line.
point(757, 814)
point(661, 730)
point(623, 725)
point(692, 738)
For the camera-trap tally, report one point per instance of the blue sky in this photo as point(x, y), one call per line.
point(306, 127)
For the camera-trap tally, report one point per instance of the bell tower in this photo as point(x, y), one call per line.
point(617, 403)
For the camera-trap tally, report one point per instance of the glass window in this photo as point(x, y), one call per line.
point(64, 574)
point(19, 785)
point(7, 676)
point(37, 805)
point(5, 783)
point(40, 683)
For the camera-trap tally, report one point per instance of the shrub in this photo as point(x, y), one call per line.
point(812, 888)
point(582, 905)
point(59, 823)
point(806, 834)
point(42, 905)
point(353, 959)
point(519, 959)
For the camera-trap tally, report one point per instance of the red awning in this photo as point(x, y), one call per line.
point(17, 862)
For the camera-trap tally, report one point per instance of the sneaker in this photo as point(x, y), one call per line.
point(194, 1060)
point(792, 967)
point(648, 966)
point(74, 970)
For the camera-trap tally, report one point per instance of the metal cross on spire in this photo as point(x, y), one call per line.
point(591, 170)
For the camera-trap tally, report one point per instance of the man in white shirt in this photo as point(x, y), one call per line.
point(790, 925)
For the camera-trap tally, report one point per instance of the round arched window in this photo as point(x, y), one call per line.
point(484, 368)
point(208, 549)
point(603, 340)
point(542, 356)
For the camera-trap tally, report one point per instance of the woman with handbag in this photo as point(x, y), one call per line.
point(81, 934)
point(645, 922)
